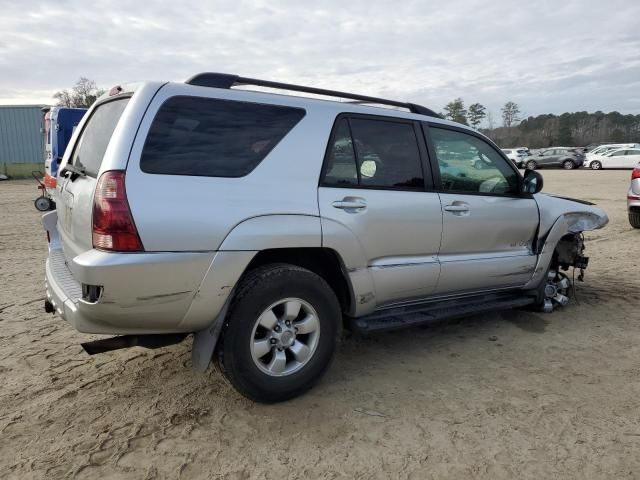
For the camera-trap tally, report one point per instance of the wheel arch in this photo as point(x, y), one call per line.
point(324, 262)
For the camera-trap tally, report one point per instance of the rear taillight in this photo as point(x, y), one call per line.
point(635, 173)
point(113, 227)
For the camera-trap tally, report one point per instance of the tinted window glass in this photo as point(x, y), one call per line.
point(619, 153)
point(341, 161)
point(633, 152)
point(214, 138)
point(469, 164)
point(387, 154)
point(93, 142)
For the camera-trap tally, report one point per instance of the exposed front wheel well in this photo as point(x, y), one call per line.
point(324, 262)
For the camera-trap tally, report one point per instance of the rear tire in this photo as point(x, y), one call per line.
point(634, 219)
point(568, 165)
point(258, 353)
point(531, 165)
point(596, 165)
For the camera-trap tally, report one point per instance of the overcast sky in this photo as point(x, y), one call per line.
point(547, 56)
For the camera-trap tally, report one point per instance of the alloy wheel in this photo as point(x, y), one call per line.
point(285, 337)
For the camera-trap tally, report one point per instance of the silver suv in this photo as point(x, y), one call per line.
point(263, 224)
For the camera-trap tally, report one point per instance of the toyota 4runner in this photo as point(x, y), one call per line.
point(263, 224)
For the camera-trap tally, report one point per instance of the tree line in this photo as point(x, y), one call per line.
point(548, 130)
point(567, 129)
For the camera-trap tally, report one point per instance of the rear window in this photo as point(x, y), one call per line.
point(214, 138)
point(93, 142)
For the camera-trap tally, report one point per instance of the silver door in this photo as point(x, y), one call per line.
point(372, 191)
point(487, 229)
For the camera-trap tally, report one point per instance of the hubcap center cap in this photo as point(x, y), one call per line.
point(287, 338)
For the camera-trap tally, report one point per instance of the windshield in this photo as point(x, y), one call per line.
point(93, 142)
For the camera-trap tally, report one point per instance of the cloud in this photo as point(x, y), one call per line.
point(546, 56)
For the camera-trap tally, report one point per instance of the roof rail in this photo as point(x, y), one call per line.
point(226, 80)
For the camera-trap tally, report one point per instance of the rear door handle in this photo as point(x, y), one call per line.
point(347, 204)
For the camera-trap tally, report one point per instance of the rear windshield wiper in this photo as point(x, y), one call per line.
point(75, 170)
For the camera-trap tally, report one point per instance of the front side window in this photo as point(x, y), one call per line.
point(469, 164)
point(214, 138)
point(619, 153)
point(374, 154)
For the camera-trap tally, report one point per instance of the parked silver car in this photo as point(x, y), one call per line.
point(557, 157)
point(633, 198)
point(264, 223)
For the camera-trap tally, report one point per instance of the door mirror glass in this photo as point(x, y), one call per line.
point(532, 182)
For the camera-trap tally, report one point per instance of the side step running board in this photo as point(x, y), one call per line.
point(128, 341)
point(425, 313)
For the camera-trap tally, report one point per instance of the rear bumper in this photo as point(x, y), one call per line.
point(140, 293)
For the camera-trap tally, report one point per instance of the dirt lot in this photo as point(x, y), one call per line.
point(555, 396)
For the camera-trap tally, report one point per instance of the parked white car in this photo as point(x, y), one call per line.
point(516, 155)
point(620, 158)
point(603, 149)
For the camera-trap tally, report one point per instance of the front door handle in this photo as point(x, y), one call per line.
point(458, 208)
point(350, 204)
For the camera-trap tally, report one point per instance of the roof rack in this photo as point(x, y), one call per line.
point(226, 80)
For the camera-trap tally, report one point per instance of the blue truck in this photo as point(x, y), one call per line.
point(59, 124)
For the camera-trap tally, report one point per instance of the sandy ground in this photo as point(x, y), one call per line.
point(555, 396)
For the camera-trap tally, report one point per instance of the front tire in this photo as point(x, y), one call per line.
point(531, 165)
point(280, 333)
point(596, 165)
point(634, 219)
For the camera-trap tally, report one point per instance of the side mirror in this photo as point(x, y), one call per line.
point(532, 182)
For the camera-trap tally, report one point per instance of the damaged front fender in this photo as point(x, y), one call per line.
point(558, 218)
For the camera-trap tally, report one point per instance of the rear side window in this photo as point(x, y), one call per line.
point(93, 142)
point(214, 138)
point(374, 154)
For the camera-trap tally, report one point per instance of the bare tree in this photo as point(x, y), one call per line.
point(510, 114)
point(82, 95)
point(64, 98)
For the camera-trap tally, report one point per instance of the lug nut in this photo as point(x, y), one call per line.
point(277, 328)
point(287, 323)
point(273, 341)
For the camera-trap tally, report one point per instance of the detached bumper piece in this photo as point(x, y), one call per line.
point(128, 341)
